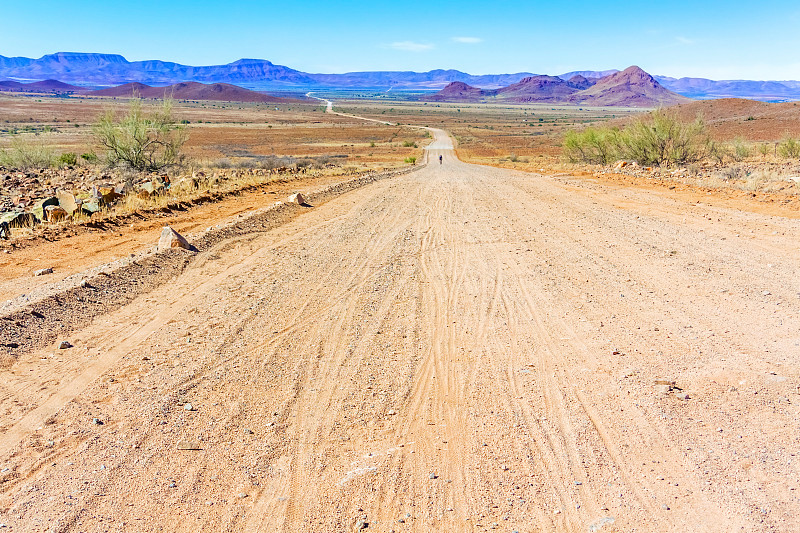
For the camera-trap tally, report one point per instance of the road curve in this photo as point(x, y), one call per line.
point(458, 349)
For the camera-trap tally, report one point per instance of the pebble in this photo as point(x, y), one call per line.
point(85, 284)
point(97, 422)
point(43, 272)
point(188, 407)
point(682, 395)
point(362, 524)
point(63, 345)
point(504, 468)
point(248, 431)
point(766, 293)
point(432, 476)
point(242, 495)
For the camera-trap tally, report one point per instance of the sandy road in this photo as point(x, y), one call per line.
point(458, 349)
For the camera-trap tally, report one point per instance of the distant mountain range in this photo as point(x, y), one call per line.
point(105, 70)
point(633, 87)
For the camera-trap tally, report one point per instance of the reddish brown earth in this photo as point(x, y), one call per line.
point(462, 348)
point(727, 118)
point(192, 90)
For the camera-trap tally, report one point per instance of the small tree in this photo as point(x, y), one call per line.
point(142, 141)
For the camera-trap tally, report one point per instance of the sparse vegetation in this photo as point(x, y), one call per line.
point(28, 152)
point(411, 160)
point(144, 142)
point(659, 138)
point(592, 145)
point(789, 147)
point(67, 159)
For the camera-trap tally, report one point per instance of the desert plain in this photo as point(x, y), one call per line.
point(500, 341)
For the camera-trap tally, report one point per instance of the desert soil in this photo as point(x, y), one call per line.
point(462, 348)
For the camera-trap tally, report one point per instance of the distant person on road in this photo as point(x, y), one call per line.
point(440, 160)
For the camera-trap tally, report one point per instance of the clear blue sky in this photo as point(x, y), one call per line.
point(713, 39)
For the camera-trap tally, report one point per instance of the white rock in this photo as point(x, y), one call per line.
point(172, 239)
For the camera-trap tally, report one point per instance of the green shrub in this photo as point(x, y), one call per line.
point(409, 144)
point(789, 148)
point(592, 145)
point(90, 157)
point(740, 149)
point(661, 138)
point(141, 141)
point(411, 160)
point(67, 159)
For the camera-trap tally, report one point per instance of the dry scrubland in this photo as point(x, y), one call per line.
point(229, 133)
point(749, 140)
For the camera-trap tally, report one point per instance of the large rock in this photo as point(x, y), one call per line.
point(297, 198)
point(67, 202)
point(19, 220)
point(54, 213)
point(172, 239)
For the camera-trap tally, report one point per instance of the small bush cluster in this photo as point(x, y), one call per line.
point(657, 139)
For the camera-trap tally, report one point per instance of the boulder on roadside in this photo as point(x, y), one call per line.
point(19, 220)
point(90, 207)
point(67, 202)
point(297, 198)
point(54, 213)
point(172, 239)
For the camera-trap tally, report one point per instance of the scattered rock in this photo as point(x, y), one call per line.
point(432, 476)
point(172, 239)
point(5, 230)
point(242, 495)
point(188, 407)
point(682, 395)
point(43, 272)
point(63, 345)
point(188, 445)
point(362, 524)
point(766, 293)
point(97, 422)
point(248, 431)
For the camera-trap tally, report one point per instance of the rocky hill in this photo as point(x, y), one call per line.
point(45, 86)
point(633, 87)
point(191, 90)
point(460, 92)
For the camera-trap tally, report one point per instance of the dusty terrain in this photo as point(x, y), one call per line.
point(462, 348)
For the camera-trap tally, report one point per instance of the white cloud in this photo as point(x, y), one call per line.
point(467, 40)
point(411, 46)
point(684, 40)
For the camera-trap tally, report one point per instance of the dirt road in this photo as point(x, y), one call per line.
point(458, 349)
